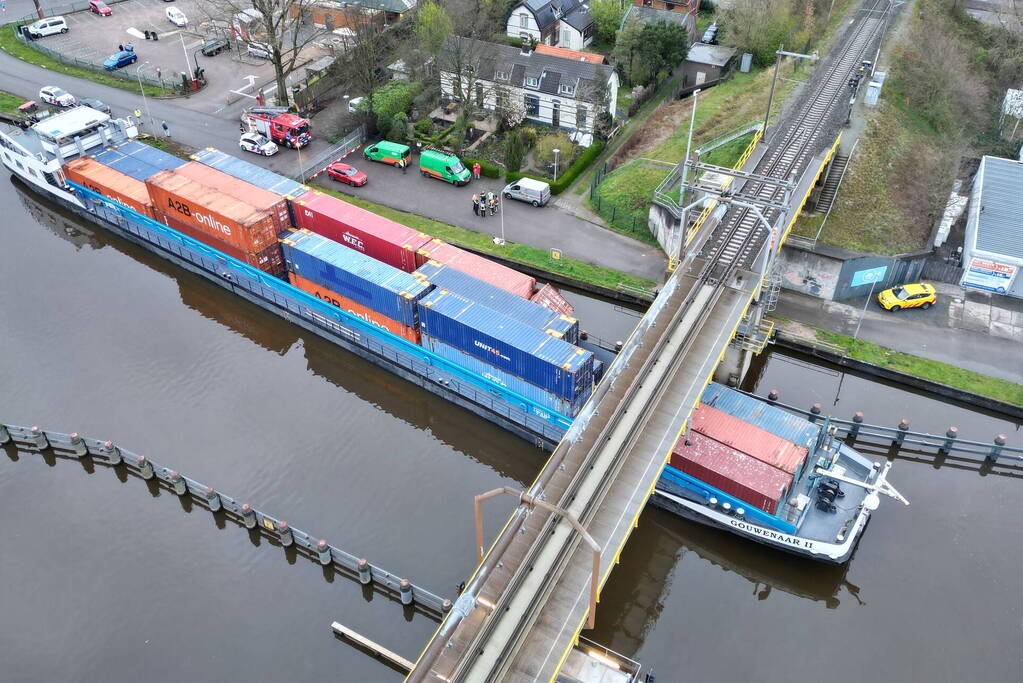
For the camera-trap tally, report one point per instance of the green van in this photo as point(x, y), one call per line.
point(389, 153)
point(448, 167)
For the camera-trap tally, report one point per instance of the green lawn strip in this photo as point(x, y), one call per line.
point(520, 253)
point(14, 47)
point(924, 368)
point(729, 153)
point(9, 103)
point(617, 201)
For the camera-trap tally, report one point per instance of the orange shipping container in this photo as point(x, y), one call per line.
point(115, 185)
point(367, 314)
point(212, 212)
point(256, 197)
point(269, 260)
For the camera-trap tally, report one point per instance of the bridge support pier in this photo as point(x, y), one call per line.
point(733, 366)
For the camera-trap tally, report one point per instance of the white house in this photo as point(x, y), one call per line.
point(561, 92)
point(564, 23)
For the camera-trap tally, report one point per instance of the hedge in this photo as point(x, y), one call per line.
point(584, 161)
point(487, 169)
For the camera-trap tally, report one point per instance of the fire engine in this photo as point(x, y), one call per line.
point(279, 125)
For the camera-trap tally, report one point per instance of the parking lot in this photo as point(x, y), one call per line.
point(229, 75)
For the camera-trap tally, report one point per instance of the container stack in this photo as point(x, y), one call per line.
point(551, 298)
point(376, 292)
point(110, 183)
point(510, 280)
point(138, 160)
point(250, 173)
point(256, 197)
point(539, 366)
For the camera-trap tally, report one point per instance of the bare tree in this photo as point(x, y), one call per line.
point(467, 57)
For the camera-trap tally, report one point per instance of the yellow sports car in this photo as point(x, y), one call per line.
point(916, 295)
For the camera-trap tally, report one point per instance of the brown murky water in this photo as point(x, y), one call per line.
point(103, 580)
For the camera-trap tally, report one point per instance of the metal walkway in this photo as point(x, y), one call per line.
point(531, 594)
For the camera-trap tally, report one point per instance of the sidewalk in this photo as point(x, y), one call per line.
point(970, 330)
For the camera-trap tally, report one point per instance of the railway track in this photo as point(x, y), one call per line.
point(516, 605)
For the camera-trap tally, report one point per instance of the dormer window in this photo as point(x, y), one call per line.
point(500, 76)
point(566, 89)
point(532, 82)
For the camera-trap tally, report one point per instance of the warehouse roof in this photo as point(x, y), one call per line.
point(999, 229)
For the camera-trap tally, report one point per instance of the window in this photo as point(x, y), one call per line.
point(523, 21)
point(500, 76)
point(532, 103)
point(532, 82)
point(580, 117)
point(648, 3)
point(566, 89)
point(669, 6)
point(566, 36)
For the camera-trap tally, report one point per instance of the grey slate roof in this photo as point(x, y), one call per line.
point(572, 12)
point(1000, 226)
point(579, 18)
point(714, 55)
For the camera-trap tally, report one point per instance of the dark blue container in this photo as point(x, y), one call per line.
point(598, 370)
point(523, 310)
point(519, 386)
point(138, 160)
point(352, 274)
point(250, 173)
point(520, 350)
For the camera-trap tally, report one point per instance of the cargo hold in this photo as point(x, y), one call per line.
point(138, 160)
point(520, 350)
point(256, 197)
point(479, 267)
point(110, 183)
point(363, 231)
point(754, 441)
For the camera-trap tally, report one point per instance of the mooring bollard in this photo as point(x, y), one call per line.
point(38, 438)
point(145, 468)
point(584, 335)
point(5, 436)
point(212, 498)
point(405, 589)
point(815, 411)
point(950, 437)
point(854, 430)
point(773, 395)
point(901, 436)
point(618, 346)
point(284, 532)
point(78, 446)
point(248, 516)
point(112, 453)
point(323, 552)
point(178, 484)
point(996, 450)
point(445, 606)
point(365, 571)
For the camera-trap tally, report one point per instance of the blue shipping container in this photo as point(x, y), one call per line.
point(523, 310)
point(520, 350)
point(250, 173)
point(598, 370)
point(352, 274)
point(138, 160)
point(773, 419)
point(519, 386)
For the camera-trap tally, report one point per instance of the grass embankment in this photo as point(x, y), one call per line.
point(9, 103)
point(519, 253)
point(924, 368)
point(10, 44)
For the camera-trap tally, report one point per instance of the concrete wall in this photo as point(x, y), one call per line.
point(832, 275)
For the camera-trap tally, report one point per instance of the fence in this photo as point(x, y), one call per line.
point(106, 453)
point(346, 147)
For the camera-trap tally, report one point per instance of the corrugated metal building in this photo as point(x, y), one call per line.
point(993, 245)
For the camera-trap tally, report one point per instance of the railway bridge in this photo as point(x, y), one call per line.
point(536, 586)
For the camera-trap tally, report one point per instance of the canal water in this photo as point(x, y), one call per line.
point(105, 579)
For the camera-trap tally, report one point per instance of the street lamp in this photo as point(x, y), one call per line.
point(556, 152)
point(138, 73)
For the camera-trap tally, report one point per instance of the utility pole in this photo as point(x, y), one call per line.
point(777, 60)
point(39, 9)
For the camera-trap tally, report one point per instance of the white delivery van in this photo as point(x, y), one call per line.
point(536, 192)
point(47, 27)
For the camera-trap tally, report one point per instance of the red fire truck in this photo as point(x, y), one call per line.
point(279, 125)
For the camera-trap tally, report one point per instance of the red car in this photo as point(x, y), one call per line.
point(347, 174)
point(99, 7)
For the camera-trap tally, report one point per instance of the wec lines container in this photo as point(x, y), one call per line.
point(250, 173)
point(481, 268)
point(358, 229)
point(214, 213)
point(520, 350)
point(256, 197)
point(138, 160)
point(354, 276)
point(742, 436)
point(110, 183)
point(524, 311)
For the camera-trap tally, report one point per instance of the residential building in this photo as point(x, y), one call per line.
point(993, 243)
point(592, 57)
point(333, 15)
point(563, 23)
point(653, 11)
point(561, 92)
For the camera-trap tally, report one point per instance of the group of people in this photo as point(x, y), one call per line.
point(483, 203)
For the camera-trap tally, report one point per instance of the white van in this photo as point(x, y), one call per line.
point(47, 27)
point(536, 192)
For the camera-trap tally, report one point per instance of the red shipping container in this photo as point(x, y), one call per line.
point(548, 297)
point(269, 260)
point(732, 471)
point(112, 184)
point(212, 212)
point(256, 197)
point(481, 268)
point(747, 438)
point(345, 304)
point(378, 237)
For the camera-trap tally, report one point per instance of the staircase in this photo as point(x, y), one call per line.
point(830, 189)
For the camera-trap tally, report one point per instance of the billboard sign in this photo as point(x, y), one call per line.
point(990, 275)
point(870, 276)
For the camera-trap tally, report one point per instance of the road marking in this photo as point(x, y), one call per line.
point(135, 33)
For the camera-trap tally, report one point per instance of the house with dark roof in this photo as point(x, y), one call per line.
point(563, 23)
point(554, 90)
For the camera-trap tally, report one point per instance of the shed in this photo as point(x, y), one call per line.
point(707, 63)
point(993, 244)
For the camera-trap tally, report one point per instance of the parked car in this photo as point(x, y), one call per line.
point(536, 192)
point(93, 103)
point(99, 7)
point(353, 104)
point(47, 27)
point(389, 153)
point(913, 295)
point(214, 46)
point(51, 94)
point(256, 143)
point(176, 17)
point(120, 59)
point(260, 50)
point(443, 166)
point(343, 173)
